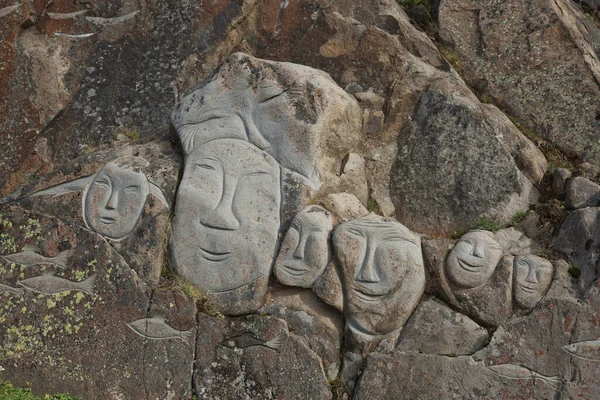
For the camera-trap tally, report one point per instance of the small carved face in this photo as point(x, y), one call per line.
point(227, 215)
point(304, 252)
point(382, 271)
point(533, 276)
point(473, 260)
point(114, 200)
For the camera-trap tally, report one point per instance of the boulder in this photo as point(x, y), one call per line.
point(559, 180)
point(580, 192)
point(453, 167)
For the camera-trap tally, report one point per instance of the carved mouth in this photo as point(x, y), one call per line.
point(108, 220)
point(212, 255)
point(371, 298)
point(295, 268)
point(469, 267)
point(527, 289)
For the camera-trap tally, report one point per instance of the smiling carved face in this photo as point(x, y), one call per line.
point(532, 278)
point(382, 271)
point(304, 252)
point(114, 200)
point(227, 216)
point(473, 260)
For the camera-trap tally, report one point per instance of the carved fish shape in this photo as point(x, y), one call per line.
point(10, 289)
point(80, 36)
point(30, 257)
point(47, 283)
point(70, 15)
point(112, 21)
point(514, 371)
point(587, 350)
point(247, 339)
point(156, 328)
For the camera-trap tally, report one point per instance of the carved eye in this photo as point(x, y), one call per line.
point(257, 173)
point(395, 238)
point(132, 188)
point(102, 183)
point(354, 231)
point(523, 264)
point(269, 93)
point(206, 166)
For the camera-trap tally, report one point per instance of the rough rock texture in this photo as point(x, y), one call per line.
point(343, 105)
point(452, 167)
point(581, 192)
point(434, 328)
point(559, 180)
point(536, 59)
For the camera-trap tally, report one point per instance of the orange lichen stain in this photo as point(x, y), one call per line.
point(568, 323)
point(595, 318)
point(540, 353)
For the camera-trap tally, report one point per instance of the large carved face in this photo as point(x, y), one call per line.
point(114, 200)
point(382, 271)
point(533, 276)
point(227, 216)
point(473, 260)
point(304, 252)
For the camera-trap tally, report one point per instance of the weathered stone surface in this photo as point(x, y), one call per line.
point(559, 180)
point(87, 313)
point(329, 287)
point(382, 272)
point(532, 279)
point(515, 242)
point(344, 206)
point(452, 167)
point(536, 59)
point(392, 377)
point(318, 324)
point(579, 240)
point(434, 328)
point(581, 192)
point(256, 358)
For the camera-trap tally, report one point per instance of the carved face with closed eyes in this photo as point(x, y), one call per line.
point(473, 260)
point(383, 273)
point(114, 200)
point(227, 216)
point(304, 252)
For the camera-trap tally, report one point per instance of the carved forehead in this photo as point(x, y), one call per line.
point(315, 216)
point(482, 238)
point(235, 155)
point(534, 261)
point(377, 227)
point(122, 174)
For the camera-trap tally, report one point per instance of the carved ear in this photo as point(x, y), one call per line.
point(67, 187)
point(158, 193)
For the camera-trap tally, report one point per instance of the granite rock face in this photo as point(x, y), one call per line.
point(247, 199)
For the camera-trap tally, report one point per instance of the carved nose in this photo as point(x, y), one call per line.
point(299, 252)
point(222, 217)
point(532, 276)
point(368, 272)
point(477, 251)
point(113, 200)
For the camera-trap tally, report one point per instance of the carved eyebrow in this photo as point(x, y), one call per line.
point(393, 235)
point(355, 231)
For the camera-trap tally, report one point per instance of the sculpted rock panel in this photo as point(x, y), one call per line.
point(113, 198)
point(473, 260)
point(227, 219)
point(383, 273)
point(533, 276)
point(304, 253)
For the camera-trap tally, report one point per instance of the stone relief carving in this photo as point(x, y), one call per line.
point(156, 328)
point(382, 272)
point(113, 198)
point(48, 283)
point(304, 252)
point(532, 279)
point(227, 217)
point(473, 260)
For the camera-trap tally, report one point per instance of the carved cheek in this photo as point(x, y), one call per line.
point(316, 250)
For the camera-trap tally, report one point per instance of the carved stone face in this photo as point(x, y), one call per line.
point(473, 260)
point(227, 216)
point(114, 200)
point(382, 272)
point(304, 252)
point(533, 276)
